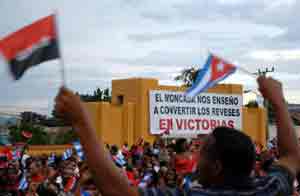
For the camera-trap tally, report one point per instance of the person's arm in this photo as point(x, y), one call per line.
point(287, 140)
point(107, 177)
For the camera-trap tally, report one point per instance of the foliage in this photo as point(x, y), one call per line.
point(252, 104)
point(54, 121)
point(187, 76)
point(65, 137)
point(39, 136)
point(98, 95)
point(296, 118)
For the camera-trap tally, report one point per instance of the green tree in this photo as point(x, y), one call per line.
point(187, 76)
point(106, 95)
point(65, 137)
point(39, 135)
point(252, 104)
point(97, 95)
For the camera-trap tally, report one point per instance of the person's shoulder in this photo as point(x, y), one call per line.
point(281, 172)
point(279, 179)
point(276, 183)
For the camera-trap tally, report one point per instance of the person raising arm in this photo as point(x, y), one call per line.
point(107, 176)
point(287, 139)
point(227, 156)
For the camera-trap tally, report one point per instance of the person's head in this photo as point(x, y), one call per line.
point(51, 189)
point(227, 157)
point(3, 170)
point(136, 172)
point(181, 145)
point(51, 172)
point(170, 177)
point(69, 168)
point(171, 149)
point(88, 185)
point(35, 167)
point(114, 150)
point(13, 172)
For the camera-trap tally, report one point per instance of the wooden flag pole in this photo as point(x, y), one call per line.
point(62, 70)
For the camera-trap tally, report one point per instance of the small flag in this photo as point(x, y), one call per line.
point(23, 183)
point(30, 46)
point(140, 141)
point(119, 160)
point(67, 154)
point(70, 185)
point(214, 71)
point(84, 193)
point(16, 155)
point(78, 148)
point(145, 180)
point(187, 182)
point(51, 159)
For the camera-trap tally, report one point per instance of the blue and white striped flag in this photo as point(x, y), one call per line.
point(23, 183)
point(67, 154)
point(85, 193)
point(119, 161)
point(51, 159)
point(78, 148)
point(145, 180)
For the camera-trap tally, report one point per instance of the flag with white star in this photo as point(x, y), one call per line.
point(214, 71)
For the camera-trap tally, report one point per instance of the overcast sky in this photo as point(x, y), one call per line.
point(105, 40)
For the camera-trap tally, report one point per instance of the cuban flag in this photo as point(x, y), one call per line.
point(214, 71)
point(78, 148)
point(67, 154)
point(23, 183)
point(85, 193)
point(119, 160)
point(51, 159)
point(145, 180)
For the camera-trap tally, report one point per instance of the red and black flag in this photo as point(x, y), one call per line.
point(30, 46)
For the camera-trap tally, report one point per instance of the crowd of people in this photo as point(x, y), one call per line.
point(225, 162)
point(171, 164)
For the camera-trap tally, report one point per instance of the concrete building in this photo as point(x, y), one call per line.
point(126, 118)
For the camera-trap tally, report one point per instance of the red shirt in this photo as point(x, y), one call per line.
point(185, 165)
point(133, 181)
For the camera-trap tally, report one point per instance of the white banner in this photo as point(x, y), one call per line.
point(177, 114)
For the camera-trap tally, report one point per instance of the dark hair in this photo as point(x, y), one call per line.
point(179, 145)
point(235, 151)
point(114, 150)
point(36, 161)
